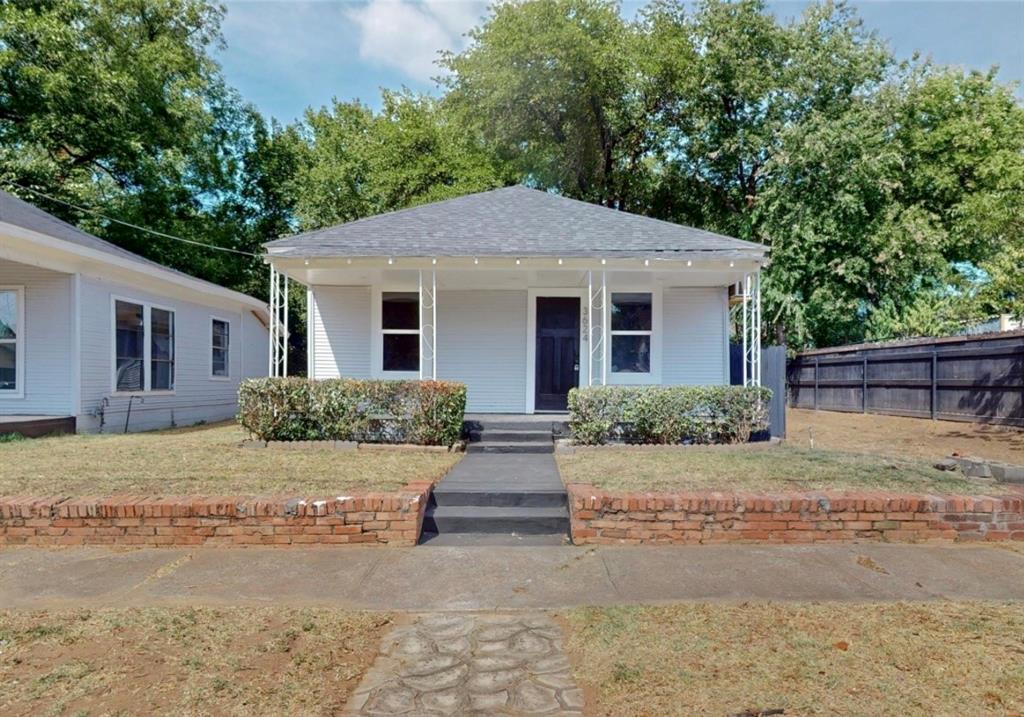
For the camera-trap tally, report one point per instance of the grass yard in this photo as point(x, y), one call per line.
point(900, 436)
point(936, 658)
point(184, 661)
point(201, 460)
point(776, 468)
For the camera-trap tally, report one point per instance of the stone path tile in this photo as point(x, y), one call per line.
point(470, 664)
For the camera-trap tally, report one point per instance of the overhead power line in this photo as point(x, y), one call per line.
point(132, 226)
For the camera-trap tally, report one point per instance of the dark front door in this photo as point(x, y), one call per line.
point(558, 346)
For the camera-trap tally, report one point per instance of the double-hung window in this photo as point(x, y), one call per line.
point(400, 331)
point(631, 332)
point(143, 347)
point(220, 346)
point(12, 312)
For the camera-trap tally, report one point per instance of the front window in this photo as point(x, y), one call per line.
point(10, 328)
point(400, 330)
point(143, 347)
point(220, 343)
point(631, 329)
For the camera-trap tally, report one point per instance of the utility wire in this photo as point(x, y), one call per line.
point(133, 226)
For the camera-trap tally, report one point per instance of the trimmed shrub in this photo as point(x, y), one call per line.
point(668, 414)
point(298, 409)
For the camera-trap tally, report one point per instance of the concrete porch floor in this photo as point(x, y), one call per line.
point(505, 578)
point(552, 417)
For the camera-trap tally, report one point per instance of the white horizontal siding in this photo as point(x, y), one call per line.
point(47, 341)
point(695, 345)
point(481, 341)
point(197, 396)
point(341, 331)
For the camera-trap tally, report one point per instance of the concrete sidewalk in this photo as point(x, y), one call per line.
point(494, 578)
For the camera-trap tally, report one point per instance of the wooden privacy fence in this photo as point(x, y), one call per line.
point(959, 378)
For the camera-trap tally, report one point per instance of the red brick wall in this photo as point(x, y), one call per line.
point(600, 516)
point(369, 519)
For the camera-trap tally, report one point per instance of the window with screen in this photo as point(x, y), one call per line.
point(400, 331)
point(631, 331)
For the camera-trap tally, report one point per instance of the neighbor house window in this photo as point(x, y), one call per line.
point(143, 347)
point(400, 329)
point(10, 340)
point(631, 329)
point(131, 346)
point(162, 350)
point(220, 342)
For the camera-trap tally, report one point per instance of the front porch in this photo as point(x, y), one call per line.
point(521, 332)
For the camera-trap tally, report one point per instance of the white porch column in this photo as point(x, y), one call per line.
point(278, 359)
point(428, 325)
point(751, 329)
point(597, 334)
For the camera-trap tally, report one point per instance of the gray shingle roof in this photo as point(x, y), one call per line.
point(514, 221)
point(20, 213)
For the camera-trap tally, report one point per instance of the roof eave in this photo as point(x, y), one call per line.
point(94, 255)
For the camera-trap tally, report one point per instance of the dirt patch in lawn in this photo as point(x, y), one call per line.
point(202, 460)
point(899, 436)
point(807, 659)
point(740, 468)
point(163, 661)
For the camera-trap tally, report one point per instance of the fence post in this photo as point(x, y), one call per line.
point(815, 383)
point(935, 382)
point(864, 386)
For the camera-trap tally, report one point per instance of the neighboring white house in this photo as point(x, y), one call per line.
point(521, 294)
point(87, 329)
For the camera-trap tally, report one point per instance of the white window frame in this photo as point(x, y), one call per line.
point(227, 361)
point(652, 377)
point(147, 348)
point(378, 331)
point(19, 344)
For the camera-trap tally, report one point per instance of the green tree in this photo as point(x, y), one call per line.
point(558, 88)
point(352, 162)
point(117, 105)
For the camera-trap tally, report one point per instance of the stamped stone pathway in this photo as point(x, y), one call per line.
point(470, 664)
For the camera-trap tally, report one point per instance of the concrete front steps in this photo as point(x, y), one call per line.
point(525, 434)
point(506, 491)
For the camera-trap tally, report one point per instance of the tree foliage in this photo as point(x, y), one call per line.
point(889, 192)
point(872, 181)
point(352, 162)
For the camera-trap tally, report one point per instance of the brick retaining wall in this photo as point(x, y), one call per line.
point(601, 517)
point(368, 519)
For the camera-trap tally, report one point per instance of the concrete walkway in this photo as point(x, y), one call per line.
point(470, 664)
point(504, 578)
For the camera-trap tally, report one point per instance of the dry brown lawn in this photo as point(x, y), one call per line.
point(751, 468)
point(899, 436)
point(808, 659)
point(184, 661)
point(202, 460)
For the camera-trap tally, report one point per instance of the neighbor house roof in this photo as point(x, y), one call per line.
point(514, 221)
point(19, 213)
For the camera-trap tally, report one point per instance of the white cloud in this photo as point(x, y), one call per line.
point(408, 35)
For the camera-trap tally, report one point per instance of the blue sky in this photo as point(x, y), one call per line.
point(285, 55)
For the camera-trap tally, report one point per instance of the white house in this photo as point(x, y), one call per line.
point(520, 294)
point(89, 331)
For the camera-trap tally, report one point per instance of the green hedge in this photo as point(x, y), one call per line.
point(668, 414)
point(299, 409)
